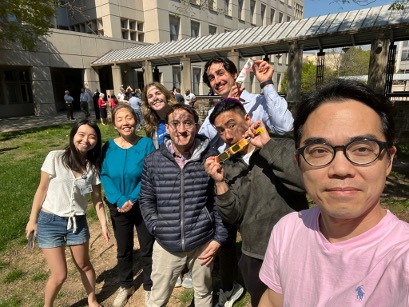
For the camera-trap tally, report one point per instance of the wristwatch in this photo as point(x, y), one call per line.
point(263, 84)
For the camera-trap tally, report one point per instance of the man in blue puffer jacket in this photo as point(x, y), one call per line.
point(178, 206)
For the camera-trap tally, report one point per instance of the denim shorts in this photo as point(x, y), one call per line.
point(52, 230)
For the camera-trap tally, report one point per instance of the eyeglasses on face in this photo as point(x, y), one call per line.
point(175, 124)
point(358, 152)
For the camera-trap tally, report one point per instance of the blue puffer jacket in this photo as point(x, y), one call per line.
point(177, 204)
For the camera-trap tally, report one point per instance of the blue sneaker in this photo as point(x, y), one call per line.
point(178, 282)
point(188, 282)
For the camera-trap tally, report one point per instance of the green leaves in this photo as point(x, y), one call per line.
point(24, 21)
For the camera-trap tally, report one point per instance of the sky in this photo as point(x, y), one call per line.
point(324, 7)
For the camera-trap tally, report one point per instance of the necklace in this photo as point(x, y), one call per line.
point(125, 144)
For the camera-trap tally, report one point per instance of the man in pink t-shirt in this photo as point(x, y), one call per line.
point(348, 250)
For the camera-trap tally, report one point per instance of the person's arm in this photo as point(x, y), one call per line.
point(149, 147)
point(279, 153)
point(38, 200)
point(100, 209)
point(147, 199)
point(271, 298)
point(277, 117)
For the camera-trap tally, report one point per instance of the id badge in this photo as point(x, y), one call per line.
point(84, 186)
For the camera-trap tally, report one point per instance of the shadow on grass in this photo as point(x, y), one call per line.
point(4, 150)
point(6, 136)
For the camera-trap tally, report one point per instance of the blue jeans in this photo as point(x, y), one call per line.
point(52, 230)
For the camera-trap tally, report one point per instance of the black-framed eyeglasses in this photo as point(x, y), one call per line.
point(358, 152)
point(187, 124)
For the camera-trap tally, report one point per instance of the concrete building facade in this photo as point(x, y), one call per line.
point(34, 82)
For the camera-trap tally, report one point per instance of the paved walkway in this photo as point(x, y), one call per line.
point(27, 122)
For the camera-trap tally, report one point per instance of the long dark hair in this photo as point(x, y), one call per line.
point(72, 159)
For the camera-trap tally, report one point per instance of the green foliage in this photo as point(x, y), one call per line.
point(396, 5)
point(39, 276)
point(354, 62)
point(308, 77)
point(25, 21)
point(13, 275)
point(186, 297)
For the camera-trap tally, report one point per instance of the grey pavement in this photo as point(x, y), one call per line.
point(27, 122)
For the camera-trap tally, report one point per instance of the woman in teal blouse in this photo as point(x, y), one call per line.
point(121, 171)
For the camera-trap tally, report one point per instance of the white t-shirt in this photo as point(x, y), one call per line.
point(371, 269)
point(64, 197)
point(190, 98)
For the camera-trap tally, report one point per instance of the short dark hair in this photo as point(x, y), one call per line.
point(341, 90)
point(226, 104)
point(185, 107)
point(227, 64)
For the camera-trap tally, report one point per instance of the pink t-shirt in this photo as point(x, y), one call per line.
point(371, 269)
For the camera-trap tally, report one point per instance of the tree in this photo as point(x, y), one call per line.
point(308, 77)
point(354, 62)
point(396, 5)
point(25, 21)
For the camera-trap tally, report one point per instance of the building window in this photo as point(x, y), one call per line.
point(212, 29)
point(252, 10)
point(272, 13)
point(131, 29)
point(210, 4)
point(16, 85)
point(263, 14)
point(280, 17)
point(176, 76)
point(299, 11)
point(240, 10)
point(196, 75)
point(174, 24)
point(227, 10)
point(405, 55)
point(194, 28)
point(405, 44)
point(288, 18)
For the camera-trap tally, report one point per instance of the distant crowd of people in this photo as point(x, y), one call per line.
point(188, 188)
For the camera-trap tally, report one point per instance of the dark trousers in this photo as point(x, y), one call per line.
point(228, 258)
point(250, 268)
point(70, 114)
point(84, 108)
point(123, 224)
